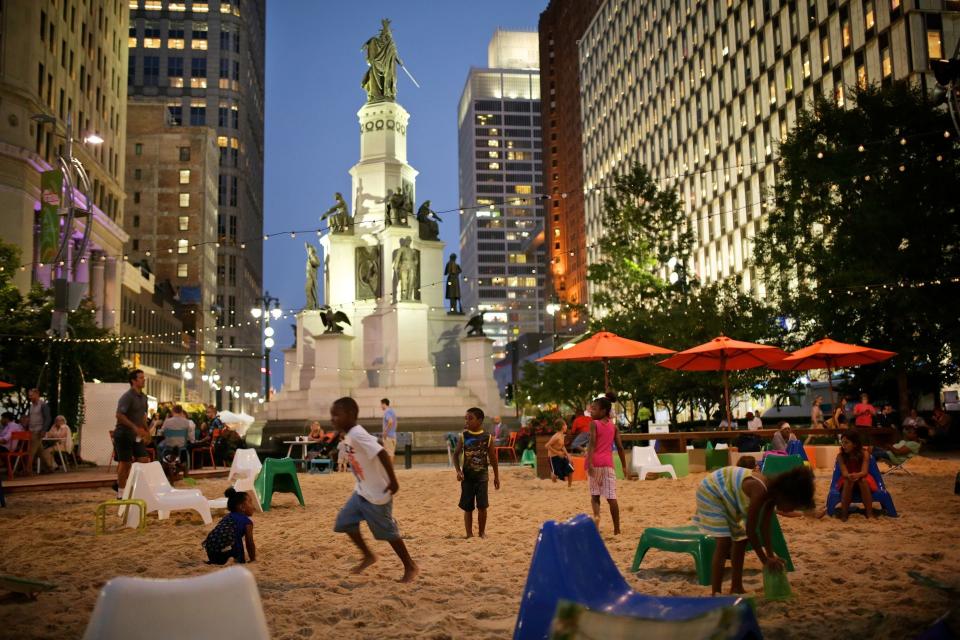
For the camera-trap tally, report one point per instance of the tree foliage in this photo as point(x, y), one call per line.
point(864, 240)
point(30, 358)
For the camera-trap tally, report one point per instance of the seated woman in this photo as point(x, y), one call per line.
point(317, 439)
point(900, 452)
point(854, 465)
point(62, 432)
point(782, 437)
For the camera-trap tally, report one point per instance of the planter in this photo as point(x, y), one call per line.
point(680, 462)
point(827, 456)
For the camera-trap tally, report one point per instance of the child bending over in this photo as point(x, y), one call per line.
point(372, 499)
point(226, 540)
point(731, 503)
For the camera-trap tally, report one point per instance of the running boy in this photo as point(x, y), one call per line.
point(376, 483)
point(477, 448)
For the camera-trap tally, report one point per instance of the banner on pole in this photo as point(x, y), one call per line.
point(51, 188)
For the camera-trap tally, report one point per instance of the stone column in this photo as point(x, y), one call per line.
point(111, 294)
point(476, 372)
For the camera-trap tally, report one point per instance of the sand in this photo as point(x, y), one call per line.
point(851, 579)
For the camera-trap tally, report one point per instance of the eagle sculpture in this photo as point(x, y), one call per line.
point(333, 319)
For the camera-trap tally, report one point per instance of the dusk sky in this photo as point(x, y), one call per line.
point(313, 93)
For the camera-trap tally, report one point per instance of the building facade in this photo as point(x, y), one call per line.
point(560, 28)
point(171, 217)
point(702, 92)
point(65, 61)
point(501, 189)
point(205, 62)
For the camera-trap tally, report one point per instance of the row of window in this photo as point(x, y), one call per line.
point(196, 6)
point(153, 37)
point(229, 72)
point(183, 224)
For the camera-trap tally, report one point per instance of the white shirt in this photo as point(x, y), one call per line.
point(361, 450)
point(755, 425)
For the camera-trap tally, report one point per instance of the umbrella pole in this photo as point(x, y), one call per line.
point(606, 375)
point(726, 397)
point(830, 384)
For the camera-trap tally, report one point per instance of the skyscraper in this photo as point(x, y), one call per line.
point(501, 189)
point(700, 93)
point(59, 62)
point(561, 26)
point(205, 62)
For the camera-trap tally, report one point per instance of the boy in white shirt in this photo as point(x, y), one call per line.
point(372, 499)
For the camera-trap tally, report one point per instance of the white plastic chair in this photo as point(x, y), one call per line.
point(644, 460)
point(223, 604)
point(244, 470)
point(148, 483)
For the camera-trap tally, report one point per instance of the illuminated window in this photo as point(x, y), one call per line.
point(838, 95)
point(151, 36)
point(513, 281)
point(234, 143)
point(183, 246)
point(134, 4)
point(177, 6)
point(182, 270)
point(200, 7)
point(869, 16)
point(494, 165)
point(175, 38)
point(198, 37)
point(862, 77)
point(153, 5)
point(224, 6)
point(222, 141)
point(886, 64)
point(184, 176)
point(934, 44)
point(846, 38)
point(530, 282)
point(894, 5)
point(523, 189)
point(184, 223)
point(825, 49)
point(184, 199)
point(198, 83)
point(493, 143)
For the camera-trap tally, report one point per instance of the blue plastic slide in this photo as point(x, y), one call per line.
point(570, 562)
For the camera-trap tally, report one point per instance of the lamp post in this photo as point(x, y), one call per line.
point(185, 367)
point(74, 178)
point(263, 312)
point(212, 379)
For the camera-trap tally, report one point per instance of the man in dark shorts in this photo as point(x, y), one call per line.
point(476, 446)
point(131, 428)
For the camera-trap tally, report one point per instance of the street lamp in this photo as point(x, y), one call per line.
point(264, 312)
point(185, 367)
point(74, 178)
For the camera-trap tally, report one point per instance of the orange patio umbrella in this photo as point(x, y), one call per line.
point(603, 346)
point(6, 385)
point(725, 354)
point(829, 354)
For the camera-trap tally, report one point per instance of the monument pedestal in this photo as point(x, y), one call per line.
point(476, 370)
point(333, 363)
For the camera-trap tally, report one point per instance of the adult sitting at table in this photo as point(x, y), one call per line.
point(61, 432)
point(754, 423)
point(916, 421)
point(177, 431)
point(900, 452)
point(8, 426)
point(782, 436)
point(317, 440)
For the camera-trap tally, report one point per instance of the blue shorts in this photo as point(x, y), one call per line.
point(379, 518)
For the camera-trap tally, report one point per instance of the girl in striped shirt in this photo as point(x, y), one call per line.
point(730, 506)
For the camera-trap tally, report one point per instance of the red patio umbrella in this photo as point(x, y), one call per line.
point(829, 354)
point(603, 346)
point(6, 385)
point(725, 354)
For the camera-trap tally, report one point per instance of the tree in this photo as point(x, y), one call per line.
point(571, 385)
point(862, 244)
point(29, 357)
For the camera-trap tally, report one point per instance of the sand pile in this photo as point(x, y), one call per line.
point(851, 579)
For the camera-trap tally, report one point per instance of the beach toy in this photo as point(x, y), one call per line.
point(776, 587)
point(277, 475)
point(23, 586)
point(689, 539)
point(881, 495)
point(528, 459)
point(570, 562)
point(222, 604)
point(100, 517)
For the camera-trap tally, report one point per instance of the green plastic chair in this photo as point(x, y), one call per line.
point(528, 459)
point(773, 465)
point(690, 540)
point(277, 475)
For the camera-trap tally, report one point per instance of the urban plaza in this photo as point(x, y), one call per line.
point(625, 319)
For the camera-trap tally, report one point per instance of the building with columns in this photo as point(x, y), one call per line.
point(65, 61)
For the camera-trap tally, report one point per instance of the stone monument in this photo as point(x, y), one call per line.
point(384, 272)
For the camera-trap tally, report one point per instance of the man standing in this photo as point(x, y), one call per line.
point(131, 428)
point(40, 422)
point(389, 435)
point(498, 431)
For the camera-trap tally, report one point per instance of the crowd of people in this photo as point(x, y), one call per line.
point(51, 439)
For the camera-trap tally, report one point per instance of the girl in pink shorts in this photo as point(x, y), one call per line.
point(601, 474)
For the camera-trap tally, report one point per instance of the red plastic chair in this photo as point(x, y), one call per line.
point(202, 451)
point(510, 447)
point(19, 451)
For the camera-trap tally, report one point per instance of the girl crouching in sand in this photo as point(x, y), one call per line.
point(730, 495)
point(226, 540)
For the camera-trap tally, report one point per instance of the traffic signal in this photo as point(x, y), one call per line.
point(508, 392)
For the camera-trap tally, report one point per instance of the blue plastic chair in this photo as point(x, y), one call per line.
point(795, 448)
point(881, 495)
point(570, 562)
